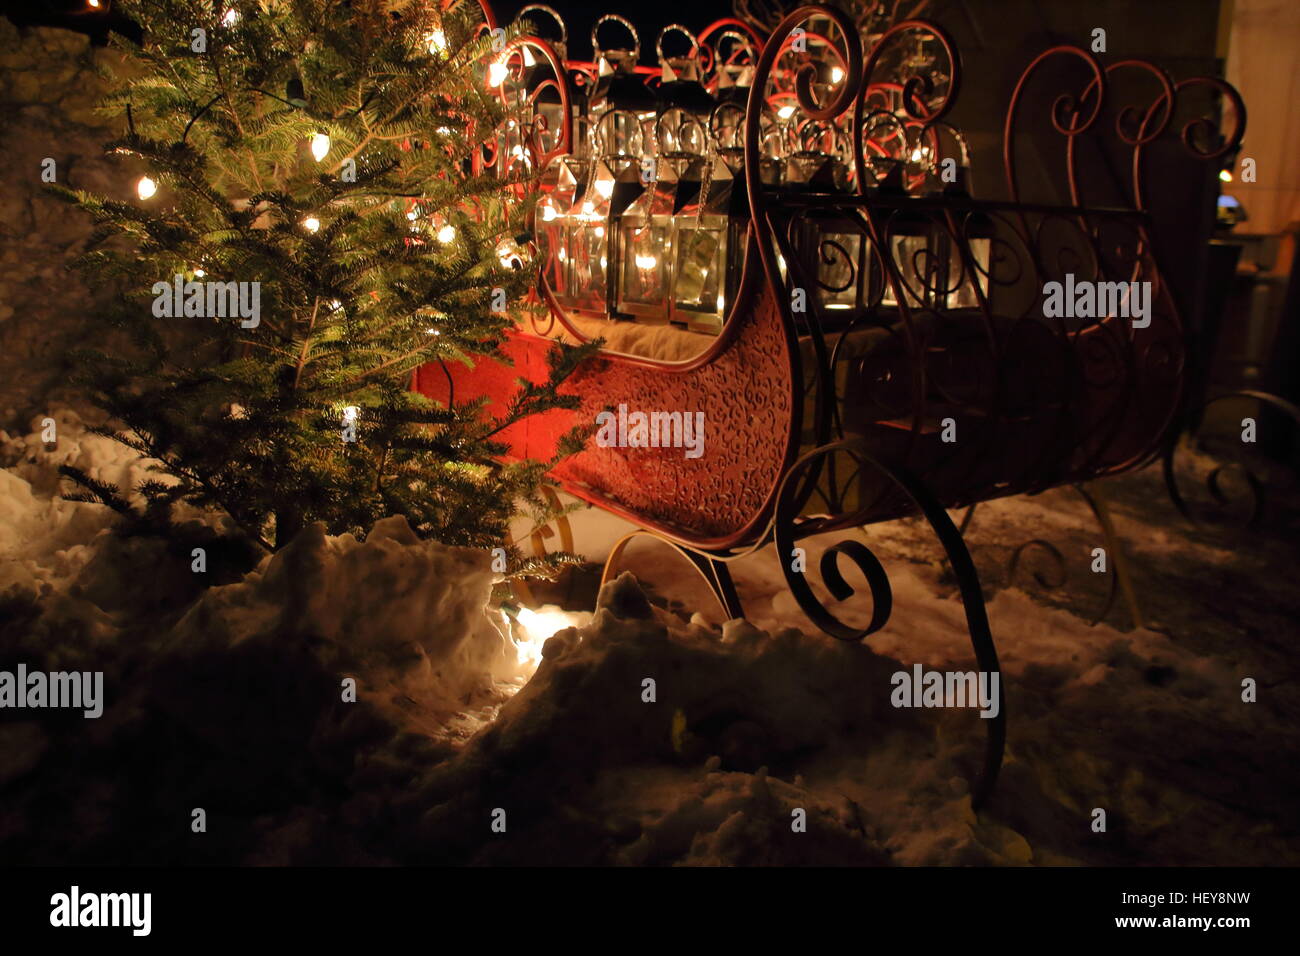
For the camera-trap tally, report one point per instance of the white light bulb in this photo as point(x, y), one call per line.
point(505, 254)
point(437, 42)
point(548, 213)
point(496, 74)
point(432, 332)
point(320, 145)
point(146, 187)
point(446, 234)
point(350, 413)
point(412, 215)
point(604, 188)
point(200, 273)
point(646, 262)
point(600, 232)
point(311, 223)
point(836, 74)
point(230, 17)
point(785, 112)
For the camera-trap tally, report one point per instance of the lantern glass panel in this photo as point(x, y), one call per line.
point(588, 251)
point(644, 269)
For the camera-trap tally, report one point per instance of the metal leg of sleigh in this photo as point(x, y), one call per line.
point(875, 352)
point(788, 528)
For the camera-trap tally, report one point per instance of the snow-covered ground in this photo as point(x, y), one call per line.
point(231, 698)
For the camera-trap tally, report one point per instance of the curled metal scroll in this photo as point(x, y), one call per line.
point(1214, 481)
point(784, 531)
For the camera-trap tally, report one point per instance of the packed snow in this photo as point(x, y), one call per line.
point(647, 732)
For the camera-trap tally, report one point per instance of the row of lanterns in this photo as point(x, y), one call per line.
point(644, 218)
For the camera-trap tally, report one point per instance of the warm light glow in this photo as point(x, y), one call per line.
point(432, 332)
point(646, 262)
point(230, 17)
point(93, 4)
point(146, 187)
point(604, 188)
point(437, 42)
point(412, 215)
point(200, 273)
point(588, 208)
point(320, 145)
point(838, 305)
point(311, 223)
point(836, 74)
point(446, 234)
point(506, 254)
point(917, 155)
point(534, 627)
point(350, 413)
point(496, 74)
point(1225, 175)
point(785, 112)
point(721, 303)
point(600, 232)
point(548, 213)
point(561, 256)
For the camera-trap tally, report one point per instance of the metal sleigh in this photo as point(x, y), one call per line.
point(881, 353)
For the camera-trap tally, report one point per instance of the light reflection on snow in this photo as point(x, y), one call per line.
point(534, 625)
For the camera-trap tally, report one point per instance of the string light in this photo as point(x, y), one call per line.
point(496, 74)
point(311, 223)
point(146, 187)
point(320, 145)
point(1225, 175)
point(836, 74)
point(446, 234)
point(785, 112)
point(437, 42)
point(230, 17)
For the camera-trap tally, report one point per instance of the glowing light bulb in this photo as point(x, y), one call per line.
point(311, 223)
point(785, 112)
point(1225, 175)
point(600, 232)
point(432, 332)
point(93, 4)
point(350, 413)
point(646, 262)
point(836, 74)
point(230, 17)
point(437, 42)
point(604, 188)
point(917, 155)
point(588, 208)
point(200, 273)
point(146, 187)
point(548, 213)
point(320, 145)
point(412, 215)
point(721, 303)
point(506, 254)
point(496, 74)
point(446, 234)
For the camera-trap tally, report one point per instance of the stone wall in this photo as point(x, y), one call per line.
point(49, 88)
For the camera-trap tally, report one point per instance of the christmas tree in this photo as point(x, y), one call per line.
point(315, 223)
